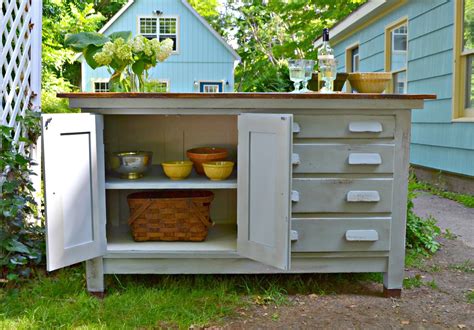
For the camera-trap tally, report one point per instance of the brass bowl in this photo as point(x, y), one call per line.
point(131, 164)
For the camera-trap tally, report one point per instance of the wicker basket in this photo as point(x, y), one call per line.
point(170, 215)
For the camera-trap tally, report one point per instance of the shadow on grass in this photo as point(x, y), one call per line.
point(60, 299)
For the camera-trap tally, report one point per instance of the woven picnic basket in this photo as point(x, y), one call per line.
point(170, 215)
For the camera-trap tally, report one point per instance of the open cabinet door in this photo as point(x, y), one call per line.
point(264, 174)
point(74, 172)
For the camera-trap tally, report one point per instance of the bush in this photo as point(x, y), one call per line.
point(21, 239)
point(421, 233)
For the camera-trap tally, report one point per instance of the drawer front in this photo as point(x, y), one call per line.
point(342, 195)
point(340, 126)
point(341, 234)
point(343, 158)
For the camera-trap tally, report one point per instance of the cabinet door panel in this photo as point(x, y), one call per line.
point(264, 185)
point(74, 188)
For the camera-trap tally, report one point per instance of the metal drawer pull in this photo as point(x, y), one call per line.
point(293, 235)
point(295, 196)
point(362, 236)
point(365, 127)
point(296, 128)
point(365, 159)
point(363, 196)
point(295, 159)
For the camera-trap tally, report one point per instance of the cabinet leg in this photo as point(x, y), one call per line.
point(392, 284)
point(95, 277)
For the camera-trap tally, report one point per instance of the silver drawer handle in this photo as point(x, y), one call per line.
point(296, 128)
point(362, 236)
point(363, 196)
point(295, 196)
point(365, 127)
point(365, 159)
point(295, 159)
point(294, 235)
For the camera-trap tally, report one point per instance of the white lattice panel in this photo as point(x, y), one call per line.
point(20, 62)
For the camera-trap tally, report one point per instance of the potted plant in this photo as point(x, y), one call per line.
point(127, 59)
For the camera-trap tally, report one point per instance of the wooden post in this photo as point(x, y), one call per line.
point(35, 81)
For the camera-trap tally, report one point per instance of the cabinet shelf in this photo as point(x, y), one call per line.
point(156, 179)
point(222, 238)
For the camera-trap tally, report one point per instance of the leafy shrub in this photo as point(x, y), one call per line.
point(421, 233)
point(21, 239)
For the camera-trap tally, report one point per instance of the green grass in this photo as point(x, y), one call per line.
point(412, 282)
point(470, 297)
point(153, 301)
point(466, 200)
point(465, 267)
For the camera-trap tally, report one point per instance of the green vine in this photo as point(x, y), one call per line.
point(21, 227)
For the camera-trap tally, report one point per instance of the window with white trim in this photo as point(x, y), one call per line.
point(101, 86)
point(161, 28)
point(396, 50)
point(211, 87)
point(463, 75)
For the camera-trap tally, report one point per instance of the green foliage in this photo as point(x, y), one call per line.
point(412, 282)
point(269, 34)
point(465, 267)
point(421, 233)
point(21, 239)
point(466, 200)
point(59, 19)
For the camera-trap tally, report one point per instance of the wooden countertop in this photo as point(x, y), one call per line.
point(271, 96)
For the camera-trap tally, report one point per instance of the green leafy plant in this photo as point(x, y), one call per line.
point(421, 233)
point(21, 238)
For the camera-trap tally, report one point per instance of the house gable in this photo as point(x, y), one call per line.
point(198, 42)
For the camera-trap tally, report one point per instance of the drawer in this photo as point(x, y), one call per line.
point(344, 158)
point(341, 234)
point(340, 126)
point(342, 195)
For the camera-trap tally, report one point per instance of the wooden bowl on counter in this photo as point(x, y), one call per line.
point(370, 82)
point(205, 154)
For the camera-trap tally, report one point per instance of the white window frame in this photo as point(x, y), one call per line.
point(388, 50)
point(100, 80)
point(211, 82)
point(157, 34)
point(460, 113)
point(399, 34)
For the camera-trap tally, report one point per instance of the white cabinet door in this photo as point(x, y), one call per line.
point(264, 186)
point(74, 188)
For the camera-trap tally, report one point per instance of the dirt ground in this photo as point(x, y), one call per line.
point(439, 302)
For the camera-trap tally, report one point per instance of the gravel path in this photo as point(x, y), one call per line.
point(449, 215)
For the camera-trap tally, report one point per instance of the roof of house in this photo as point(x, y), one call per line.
point(369, 11)
point(190, 8)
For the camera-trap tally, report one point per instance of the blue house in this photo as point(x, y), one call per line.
point(201, 62)
point(429, 48)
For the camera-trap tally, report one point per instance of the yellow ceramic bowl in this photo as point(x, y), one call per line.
point(179, 170)
point(217, 171)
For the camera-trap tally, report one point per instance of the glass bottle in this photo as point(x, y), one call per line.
point(327, 64)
